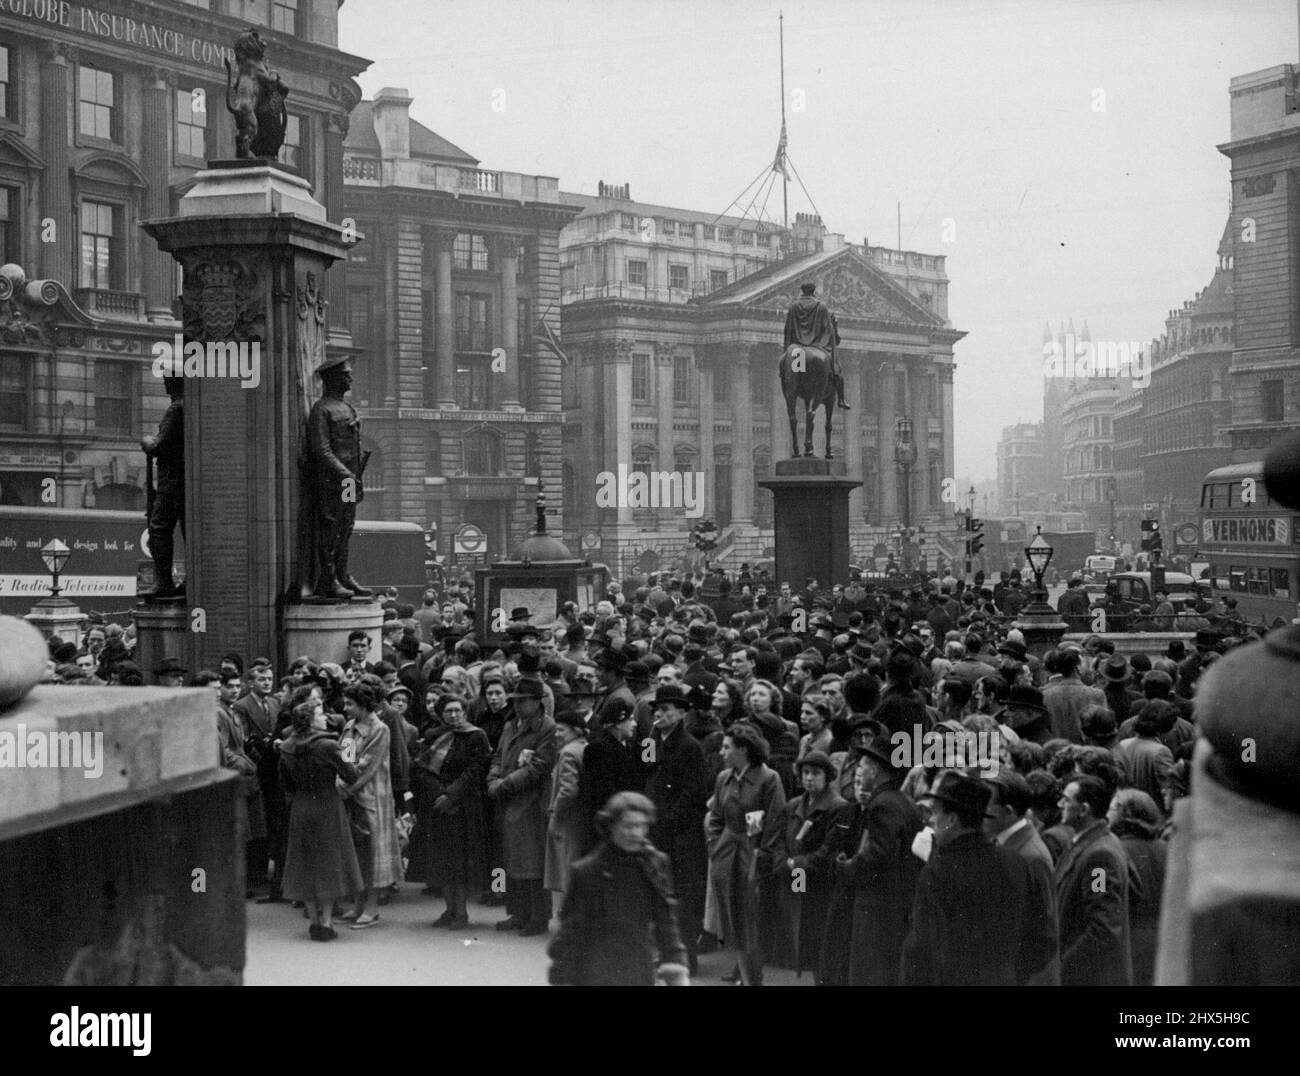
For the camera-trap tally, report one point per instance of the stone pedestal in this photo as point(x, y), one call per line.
point(164, 631)
point(121, 840)
point(254, 247)
point(811, 520)
point(321, 631)
point(1042, 628)
point(57, 617)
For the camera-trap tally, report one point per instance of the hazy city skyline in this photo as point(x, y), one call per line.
point(1051, 201)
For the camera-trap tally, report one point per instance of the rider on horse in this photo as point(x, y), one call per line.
point(810, 323)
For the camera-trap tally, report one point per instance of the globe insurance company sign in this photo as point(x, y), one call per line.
point(145, 35)
point(1259, 531)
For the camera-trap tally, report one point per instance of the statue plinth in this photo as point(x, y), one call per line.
point(254, 247)
point(811, 519)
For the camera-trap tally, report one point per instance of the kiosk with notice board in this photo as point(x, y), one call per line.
point(540, 576)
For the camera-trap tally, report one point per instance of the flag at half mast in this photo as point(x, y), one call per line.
point(778, 162)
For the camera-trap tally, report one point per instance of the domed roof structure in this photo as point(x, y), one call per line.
point(540, 547)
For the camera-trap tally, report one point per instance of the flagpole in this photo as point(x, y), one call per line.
point(785, 179)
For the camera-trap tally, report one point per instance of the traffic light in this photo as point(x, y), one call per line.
point(977, 535)
point(1151, 540)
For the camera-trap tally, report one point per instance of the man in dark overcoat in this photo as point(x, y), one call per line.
point(870, 849)
point(972, 897)
point(679, 787)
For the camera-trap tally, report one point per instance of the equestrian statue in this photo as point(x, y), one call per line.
point(808, 367)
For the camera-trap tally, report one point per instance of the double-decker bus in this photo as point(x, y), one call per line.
point(1252, 543)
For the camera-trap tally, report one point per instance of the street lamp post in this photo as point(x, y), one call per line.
point(55, 616)
point(1039, 555)
point(1040, 624)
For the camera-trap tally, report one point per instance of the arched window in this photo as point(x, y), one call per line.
point(483, 454)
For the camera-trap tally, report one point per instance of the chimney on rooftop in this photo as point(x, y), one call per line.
point(391, 113)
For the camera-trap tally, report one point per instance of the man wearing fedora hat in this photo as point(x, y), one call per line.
point(1026, 716)
point(1115, 682)
point(612, 761)
point(869, 847)
point(679, 787)
point(969, 917)
point(518, 781)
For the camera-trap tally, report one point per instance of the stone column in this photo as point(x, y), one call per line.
point(742, 437)
point(159, 271)
point(663, 359)
point(945, 390)
point(617, 419)
point(58, 259)
point(704, 441)
point(851, 364)
point(444, 322)
point(507, 254)
point(920, 415)
point(336, 130)
point(885, 442)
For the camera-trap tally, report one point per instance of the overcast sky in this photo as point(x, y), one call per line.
point(1070, 142)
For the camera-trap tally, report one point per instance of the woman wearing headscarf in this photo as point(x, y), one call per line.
point(797, 893)
point(365, 742)
point(321, 863)
point(450, 819)
point(1135, 819)
point(743, 827)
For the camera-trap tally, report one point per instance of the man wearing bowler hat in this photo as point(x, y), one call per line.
point(972, 897)
point(679, 786)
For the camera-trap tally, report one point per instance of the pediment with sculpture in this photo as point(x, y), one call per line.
point(849, 292)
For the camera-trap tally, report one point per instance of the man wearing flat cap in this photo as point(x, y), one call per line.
point(972, 901)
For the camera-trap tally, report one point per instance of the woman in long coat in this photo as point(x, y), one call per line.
point(798, 892)
point(449, 774)
point(365, 742)
point(566, 828)
point(743, 827)
point(320, 863)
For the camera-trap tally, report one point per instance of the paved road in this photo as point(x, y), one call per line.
point(404, 949)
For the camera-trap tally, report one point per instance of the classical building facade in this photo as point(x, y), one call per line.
point(1265, 156)
point(450, 297)
point(1021, 486)
point(685, 379)
point(107, 111)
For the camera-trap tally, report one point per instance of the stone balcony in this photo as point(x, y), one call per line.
point(366, 171)
point(106, 303)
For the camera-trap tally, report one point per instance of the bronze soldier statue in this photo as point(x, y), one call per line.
point(810, 323)
point(334, 466)
point(166, 507)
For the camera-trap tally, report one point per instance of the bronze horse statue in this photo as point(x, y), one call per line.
point(806, 374)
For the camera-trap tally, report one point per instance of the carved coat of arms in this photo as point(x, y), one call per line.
point(221, 301)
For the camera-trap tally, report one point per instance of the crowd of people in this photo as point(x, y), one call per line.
point(702, 765)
